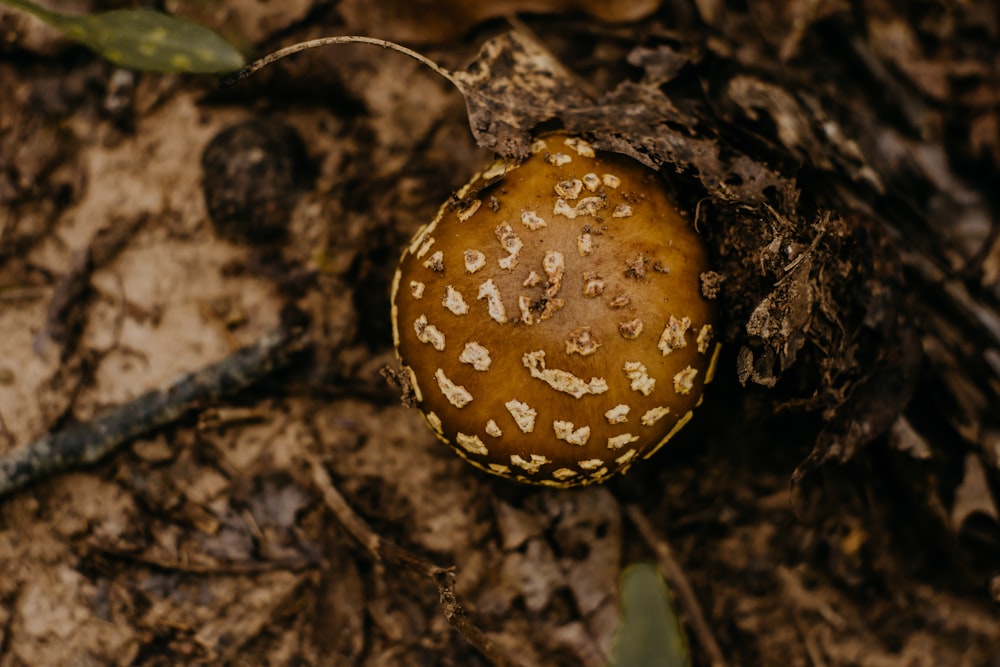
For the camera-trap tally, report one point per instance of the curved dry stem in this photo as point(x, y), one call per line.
point(339, 39)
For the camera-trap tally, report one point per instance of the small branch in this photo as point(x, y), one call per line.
point(87, 442)
point(261, 63)
point(235, 568)
point(679, 583)
point(382, 550)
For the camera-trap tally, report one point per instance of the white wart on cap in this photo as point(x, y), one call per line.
point(551, 323)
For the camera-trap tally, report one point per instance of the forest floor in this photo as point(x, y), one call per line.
point(214, 539)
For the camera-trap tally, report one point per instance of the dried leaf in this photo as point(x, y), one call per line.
point(872, 407)
point(444, 21)
point(660, 64)
point(513, 85)
point(588, 533)
point(903, 437)
point(798, 121)
point(973, 495)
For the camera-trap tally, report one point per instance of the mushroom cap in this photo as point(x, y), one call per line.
point(550, 322)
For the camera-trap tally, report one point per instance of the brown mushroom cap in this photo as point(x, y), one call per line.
point(551, 323)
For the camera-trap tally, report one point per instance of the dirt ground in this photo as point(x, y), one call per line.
point(212, 540)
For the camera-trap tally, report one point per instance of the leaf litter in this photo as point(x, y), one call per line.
point(821, 328)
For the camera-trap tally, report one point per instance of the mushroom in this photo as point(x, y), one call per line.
point(549, 320)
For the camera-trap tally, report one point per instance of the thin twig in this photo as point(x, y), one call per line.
point(87, 442)
point(261, 63)
point(233, 568)
point(679, 583)
point(382, 550)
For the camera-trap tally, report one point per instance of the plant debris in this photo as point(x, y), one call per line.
point(839, 160)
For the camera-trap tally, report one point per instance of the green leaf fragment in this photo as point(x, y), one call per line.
point(146, 40)
point(649, 634)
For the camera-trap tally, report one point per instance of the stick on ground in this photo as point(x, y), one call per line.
point(87, 442)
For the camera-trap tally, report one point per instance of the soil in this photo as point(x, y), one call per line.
point(833, 503)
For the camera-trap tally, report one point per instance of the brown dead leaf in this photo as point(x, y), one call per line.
point(803, 127)
point(513, 85)
point(793, 126)
point(54, 624)
point(973, 495)
point(660, 64)
point(425, 21)
point(242, 610)
point(588, 534)
point(534, 575)
point(247, 21)
point(516, 526)
point(340, 605)
point(905, 438)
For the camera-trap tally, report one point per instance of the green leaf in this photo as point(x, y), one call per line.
point(649, 634)
point(142, 39)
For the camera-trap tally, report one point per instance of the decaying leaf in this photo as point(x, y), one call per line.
point(973, 495)
point(439, 21)
point(796, 263)
point(513, 85)
point(843, 197)
point(797, 122)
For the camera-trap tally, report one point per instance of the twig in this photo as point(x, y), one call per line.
point(679, 583)
point(87, 442)
point(233, 568)
point(261, 63)
point(382, 550)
